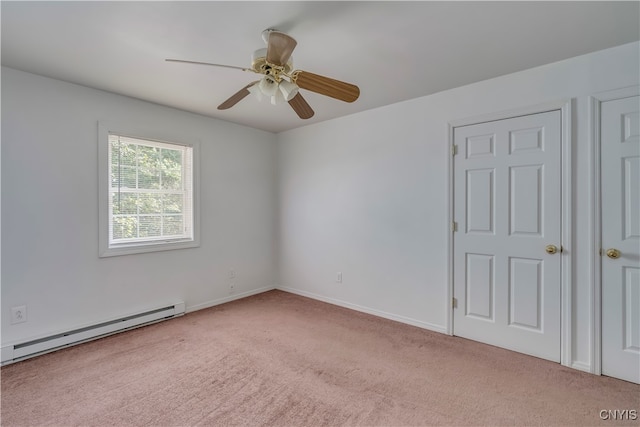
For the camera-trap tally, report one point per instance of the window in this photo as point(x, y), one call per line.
point(147, 199)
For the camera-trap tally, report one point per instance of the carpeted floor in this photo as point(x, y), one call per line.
point(278, 359)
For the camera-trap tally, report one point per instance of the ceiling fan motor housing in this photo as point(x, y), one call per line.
point(260, 65)
point(265, 34)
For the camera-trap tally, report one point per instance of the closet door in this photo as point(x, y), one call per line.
point(507, 206)
point(620, 195)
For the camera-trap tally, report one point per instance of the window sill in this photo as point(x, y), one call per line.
point(139, 248)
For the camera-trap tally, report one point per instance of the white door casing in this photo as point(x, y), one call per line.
point(620, 229)
point(507, 205)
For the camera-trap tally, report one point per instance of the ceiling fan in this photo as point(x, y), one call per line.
point(280, 80)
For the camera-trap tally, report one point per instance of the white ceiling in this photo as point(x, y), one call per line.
point(393, 51)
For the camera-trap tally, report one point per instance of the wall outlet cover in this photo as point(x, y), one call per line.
point(18, 314)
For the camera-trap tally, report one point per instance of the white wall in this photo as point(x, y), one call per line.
point(367, 194)
point(50, 210)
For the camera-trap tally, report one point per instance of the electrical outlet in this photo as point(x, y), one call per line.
point(339, 277)
point(232, 288)
point(18, 314)
point(232, 274)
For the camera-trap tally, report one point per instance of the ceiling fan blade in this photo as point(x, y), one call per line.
point(300, 106)
point(207, 63)
point(280, 48)
point(236, 97)
point(326, 86)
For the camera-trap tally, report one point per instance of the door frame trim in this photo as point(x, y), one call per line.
point(595, 221)
point(566, 109)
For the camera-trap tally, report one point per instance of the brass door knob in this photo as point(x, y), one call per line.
point(613, 253)
point(551, 249)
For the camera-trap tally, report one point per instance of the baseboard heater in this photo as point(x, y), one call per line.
point(16, 352)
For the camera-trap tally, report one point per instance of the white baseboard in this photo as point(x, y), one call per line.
point(581, 366)
point(230, 298)
point(390, 316)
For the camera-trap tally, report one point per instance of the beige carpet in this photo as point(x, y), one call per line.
point(284, 360)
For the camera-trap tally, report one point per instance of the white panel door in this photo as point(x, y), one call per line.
point(507, 206)
point(620, 189)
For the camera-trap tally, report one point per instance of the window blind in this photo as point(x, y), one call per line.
point(150, 191)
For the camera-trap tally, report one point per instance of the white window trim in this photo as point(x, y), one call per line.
point(104, 129)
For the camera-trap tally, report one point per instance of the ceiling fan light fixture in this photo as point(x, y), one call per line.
point(277, 98)
point(288, 89)
point(255, 90)
point(268, 86)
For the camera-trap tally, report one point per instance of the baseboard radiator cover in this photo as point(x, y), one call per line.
point(16, 352)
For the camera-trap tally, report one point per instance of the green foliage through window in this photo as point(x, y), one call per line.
point(150, 191)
